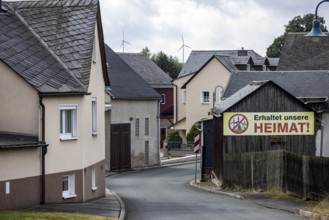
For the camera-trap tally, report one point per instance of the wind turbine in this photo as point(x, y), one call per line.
point(123, 42)
point(182, 47)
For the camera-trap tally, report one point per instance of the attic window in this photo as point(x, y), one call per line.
point(242, 53)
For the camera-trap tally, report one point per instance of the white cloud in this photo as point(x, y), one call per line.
point(205, 24)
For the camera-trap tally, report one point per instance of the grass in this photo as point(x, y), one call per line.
point(319, 207)
point(11, 215)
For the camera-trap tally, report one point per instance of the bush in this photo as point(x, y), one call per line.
point(190, 135)
point(173, 136)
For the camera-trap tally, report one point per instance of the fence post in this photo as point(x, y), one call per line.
point(252, 171)
point(305, 163)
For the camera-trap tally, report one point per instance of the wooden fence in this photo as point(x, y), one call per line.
point(305, 176)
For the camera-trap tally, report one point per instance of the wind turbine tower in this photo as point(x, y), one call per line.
point(183, 48)
point(124, 42)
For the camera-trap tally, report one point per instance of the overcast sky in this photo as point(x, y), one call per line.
point(205, 24)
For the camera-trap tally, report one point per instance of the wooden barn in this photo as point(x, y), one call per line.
point(262, 117)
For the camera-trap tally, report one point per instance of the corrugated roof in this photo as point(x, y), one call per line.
point(198, 58)
point(300, 53)
point(147, 69)
point(125, 82)
point(49, 43)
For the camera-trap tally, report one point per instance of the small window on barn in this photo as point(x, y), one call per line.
point(204, 97)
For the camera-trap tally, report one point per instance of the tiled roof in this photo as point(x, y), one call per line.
point(49, 43)
point(297, 83)
point(300, 53)
point(125, 82)
point(198, 58)
point(147, 69)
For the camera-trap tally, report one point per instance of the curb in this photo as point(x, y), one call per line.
point(122, 212)
point(191, 183)
point(300, 212)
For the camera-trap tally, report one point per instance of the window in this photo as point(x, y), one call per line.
point(68, 122)
point(147, 126)
point(205, 97)
point(93, 179)
point(68, 183)
point(137, 127)
point(184, 96)
point(146, 155)
point(94, 115)
point(163, 99)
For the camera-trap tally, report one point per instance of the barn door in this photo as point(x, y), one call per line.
point(120, 147)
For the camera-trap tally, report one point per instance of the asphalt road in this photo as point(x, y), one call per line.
point(163, 193)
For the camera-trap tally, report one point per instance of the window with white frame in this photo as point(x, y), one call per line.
point(147, 126)
point(68, 185)
point(205, 97)
point(163, 99)
point(68, 122)
point(184, 96)
point(94, 115)
point(93, 179)
point(137, 127)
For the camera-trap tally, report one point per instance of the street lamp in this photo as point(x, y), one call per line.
point(214, 93)
point(316, 33)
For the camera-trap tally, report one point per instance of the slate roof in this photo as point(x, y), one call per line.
point(125, 82)
point(147, 69)
point(298, 83)
point(225, 60)
point(198, 58)
point(300, 53)
point(49, 43)
point(239, 95)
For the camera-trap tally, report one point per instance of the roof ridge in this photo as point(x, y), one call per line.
point(53, 54)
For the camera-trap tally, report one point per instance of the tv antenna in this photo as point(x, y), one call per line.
point(124, 42)
point(183, 47)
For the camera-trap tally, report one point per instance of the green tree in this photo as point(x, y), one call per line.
point(297, 24)
point(146, 52)
point(168, 64)
point(190, 135)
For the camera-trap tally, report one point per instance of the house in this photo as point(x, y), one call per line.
point(52, 87)
point(160, 82)
point(134, 117)
point(300, 53)
point(314, 93)
point(255, 127)
point(202, 80)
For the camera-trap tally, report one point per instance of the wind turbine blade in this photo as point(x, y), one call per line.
point(180, 48)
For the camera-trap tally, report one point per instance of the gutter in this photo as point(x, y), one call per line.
point(43, 152)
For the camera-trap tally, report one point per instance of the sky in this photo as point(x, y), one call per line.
point(204, 24)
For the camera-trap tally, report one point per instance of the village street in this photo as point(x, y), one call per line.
point(163, 193)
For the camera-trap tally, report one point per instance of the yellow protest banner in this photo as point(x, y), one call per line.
point(268, 123)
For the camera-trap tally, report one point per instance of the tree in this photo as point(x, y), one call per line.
point(168, 64)
point(146, 52)
point(297, 24)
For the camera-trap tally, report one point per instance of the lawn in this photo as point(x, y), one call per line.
point(10, 215)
